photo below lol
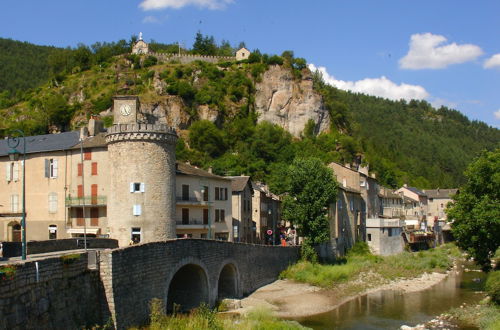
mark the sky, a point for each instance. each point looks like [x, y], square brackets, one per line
[446, 52]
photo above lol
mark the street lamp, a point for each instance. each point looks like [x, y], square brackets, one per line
[205, 190]
[13, 142]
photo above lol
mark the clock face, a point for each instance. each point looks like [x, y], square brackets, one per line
[125, 110]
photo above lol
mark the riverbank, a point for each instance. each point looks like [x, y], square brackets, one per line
[289, 299]
[361, 274]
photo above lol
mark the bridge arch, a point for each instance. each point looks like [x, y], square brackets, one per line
[228, 284]
[188, 285]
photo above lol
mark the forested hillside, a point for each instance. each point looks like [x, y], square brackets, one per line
[404, 142]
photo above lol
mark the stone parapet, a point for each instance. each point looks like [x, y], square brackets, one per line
[153, 132]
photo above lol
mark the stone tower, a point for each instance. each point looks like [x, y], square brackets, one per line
[141, 203]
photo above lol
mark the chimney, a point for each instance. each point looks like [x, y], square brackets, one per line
[347, 165]
[405, 185]
[84, 133]
[210, 170]
[373, 175]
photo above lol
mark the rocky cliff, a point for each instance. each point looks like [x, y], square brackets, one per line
[282, 100]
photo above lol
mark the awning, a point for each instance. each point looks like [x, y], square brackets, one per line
[92, 231]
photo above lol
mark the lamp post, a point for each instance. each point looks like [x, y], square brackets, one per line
[270, 212]
[205, 189]
[13, 142]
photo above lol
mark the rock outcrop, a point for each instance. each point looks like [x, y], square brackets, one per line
[282, 100]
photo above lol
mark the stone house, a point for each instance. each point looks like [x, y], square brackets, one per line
[438, 200]
[392, 205]
[242, 193]
[266, 213]
[242, 54]
[203, 199]
[384, 236]
[347, 220]
[48, 161]
[418, 206]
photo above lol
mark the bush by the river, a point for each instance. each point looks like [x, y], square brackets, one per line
[206, 318]
[359, 260]
[493, 286]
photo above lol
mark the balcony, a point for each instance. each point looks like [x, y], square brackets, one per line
[87, 200]
[192, 224]
[191, 201]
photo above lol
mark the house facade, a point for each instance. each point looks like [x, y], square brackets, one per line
[203, 201]
[384, 236]
[242, 193]
[438, 200]
[266, 213]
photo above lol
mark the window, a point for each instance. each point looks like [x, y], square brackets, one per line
[93, 194]
[80, 169]
[52, 231]
[87, 155]
[53, 202]
[204, 191]
[389, 232]
[12, 171]
[14, 203]
[217, 193]
[205, 216]
[51, 168]
[185, 216]
[137, 187]
[220, 194]
[369, 237]
[185, 192]
[94, 217]
[219, 215]
[80, 191]
[79, 217]
[94, 168]
[135, 235]
[137, 209]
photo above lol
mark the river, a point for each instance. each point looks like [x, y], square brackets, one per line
[391, 309]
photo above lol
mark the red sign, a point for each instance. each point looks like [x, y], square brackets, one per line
[269, 232]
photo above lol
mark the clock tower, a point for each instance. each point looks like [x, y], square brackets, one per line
[125, 109]
[141, 203]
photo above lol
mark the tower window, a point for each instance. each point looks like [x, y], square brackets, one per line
[136, 187]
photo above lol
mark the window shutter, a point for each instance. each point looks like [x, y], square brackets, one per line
[222, 215]
[80, 169]
[8, 176]
[142, 187]
[54, 169]
[15, 171]
[47, 168]
[216, 215]
[131, 187]
[94, 168]
[137, 209]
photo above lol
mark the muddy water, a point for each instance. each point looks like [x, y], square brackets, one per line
[391, 309]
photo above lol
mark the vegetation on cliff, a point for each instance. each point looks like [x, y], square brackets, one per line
[404, 142]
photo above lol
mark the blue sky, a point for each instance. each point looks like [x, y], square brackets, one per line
[447, 52]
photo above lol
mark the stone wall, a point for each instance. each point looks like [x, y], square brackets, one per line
[13, 249]
[188, 58]
[51, 293]
[71, 292]
[133, 276]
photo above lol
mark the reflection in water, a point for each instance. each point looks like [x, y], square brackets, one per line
[391, 309]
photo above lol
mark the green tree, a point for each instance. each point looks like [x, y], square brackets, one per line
[204, 136]
[476, 209]
[311, 190]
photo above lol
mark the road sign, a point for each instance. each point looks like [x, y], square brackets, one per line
[269, 232]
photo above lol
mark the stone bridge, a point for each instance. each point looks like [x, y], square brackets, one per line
[185, 272]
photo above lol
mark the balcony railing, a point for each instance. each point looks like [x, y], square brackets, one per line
[190, 201]
[87, 200]
[192, 222]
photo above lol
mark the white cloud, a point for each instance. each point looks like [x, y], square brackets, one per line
[151, 20]
[497, 114]
[177, 4]
[381, 87]
[438, 102]
[427, 52]
[492, 62]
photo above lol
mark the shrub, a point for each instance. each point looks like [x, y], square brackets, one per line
[493, 286]
[307, 252]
